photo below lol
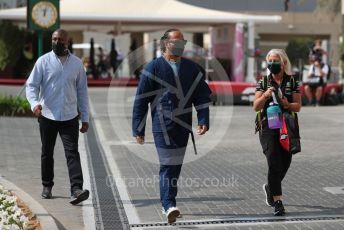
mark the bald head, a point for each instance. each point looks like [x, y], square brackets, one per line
[61, 31]
[60, 35]
[60, 39]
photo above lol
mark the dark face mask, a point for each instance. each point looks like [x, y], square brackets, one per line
[178, 48]
[58, 48]
[274, 67]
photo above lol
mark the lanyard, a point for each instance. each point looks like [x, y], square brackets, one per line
[280, 95]
[193, 142]
[274, 98]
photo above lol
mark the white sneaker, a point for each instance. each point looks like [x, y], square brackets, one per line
[172, 213]
[164, 212]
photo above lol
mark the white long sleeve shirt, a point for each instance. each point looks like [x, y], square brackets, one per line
[61, 88]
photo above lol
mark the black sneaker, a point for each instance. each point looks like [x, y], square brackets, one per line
[46, 193]
[79, 196]
[269, 200]
[279, 208]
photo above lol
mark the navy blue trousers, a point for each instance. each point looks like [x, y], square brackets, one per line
[171, 148]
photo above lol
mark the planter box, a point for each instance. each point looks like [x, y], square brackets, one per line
[27, 113]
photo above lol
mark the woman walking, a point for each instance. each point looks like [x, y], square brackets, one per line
[280, 89]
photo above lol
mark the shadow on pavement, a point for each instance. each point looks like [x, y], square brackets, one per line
[147, 202]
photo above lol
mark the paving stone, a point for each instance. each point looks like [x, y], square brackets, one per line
[239, 167]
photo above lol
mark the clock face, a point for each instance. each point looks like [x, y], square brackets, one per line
[44, 14]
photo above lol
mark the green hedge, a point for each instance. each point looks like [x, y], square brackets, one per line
[12, 39]
[14, 106]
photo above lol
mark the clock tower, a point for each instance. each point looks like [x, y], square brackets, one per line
[43, 15]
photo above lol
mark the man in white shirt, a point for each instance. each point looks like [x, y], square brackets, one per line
[57, 92]
[317, 78]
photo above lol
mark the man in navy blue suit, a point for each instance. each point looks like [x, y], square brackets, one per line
[171, 84]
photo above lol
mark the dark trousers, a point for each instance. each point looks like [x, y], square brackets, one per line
[171, 156]
[69, 133]
[168, 179]
[278, 160]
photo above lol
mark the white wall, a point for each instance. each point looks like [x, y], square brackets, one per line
[123, 44]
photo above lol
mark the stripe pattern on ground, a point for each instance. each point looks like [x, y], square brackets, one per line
[109, 212]
[240, 221]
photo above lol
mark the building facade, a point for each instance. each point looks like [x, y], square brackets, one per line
[299, 20]
[7, 4]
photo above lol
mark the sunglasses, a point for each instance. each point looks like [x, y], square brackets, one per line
[178, 42]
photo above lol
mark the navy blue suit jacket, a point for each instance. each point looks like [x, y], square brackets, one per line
[170, 97]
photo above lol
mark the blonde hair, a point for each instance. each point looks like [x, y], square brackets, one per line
[283, 57]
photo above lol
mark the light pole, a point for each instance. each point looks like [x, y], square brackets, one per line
[250, 59]
[342, 12]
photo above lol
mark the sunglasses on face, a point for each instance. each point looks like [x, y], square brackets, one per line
[178, 42]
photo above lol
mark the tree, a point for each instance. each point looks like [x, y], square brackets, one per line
[286, 5]
[298, 49]
[332, 7]
[11, 44]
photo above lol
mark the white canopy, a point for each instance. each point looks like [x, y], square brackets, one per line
[139, 11]
[144, 16]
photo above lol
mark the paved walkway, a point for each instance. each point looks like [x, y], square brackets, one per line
[20, 164]
[220, 188]
[225, 183]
